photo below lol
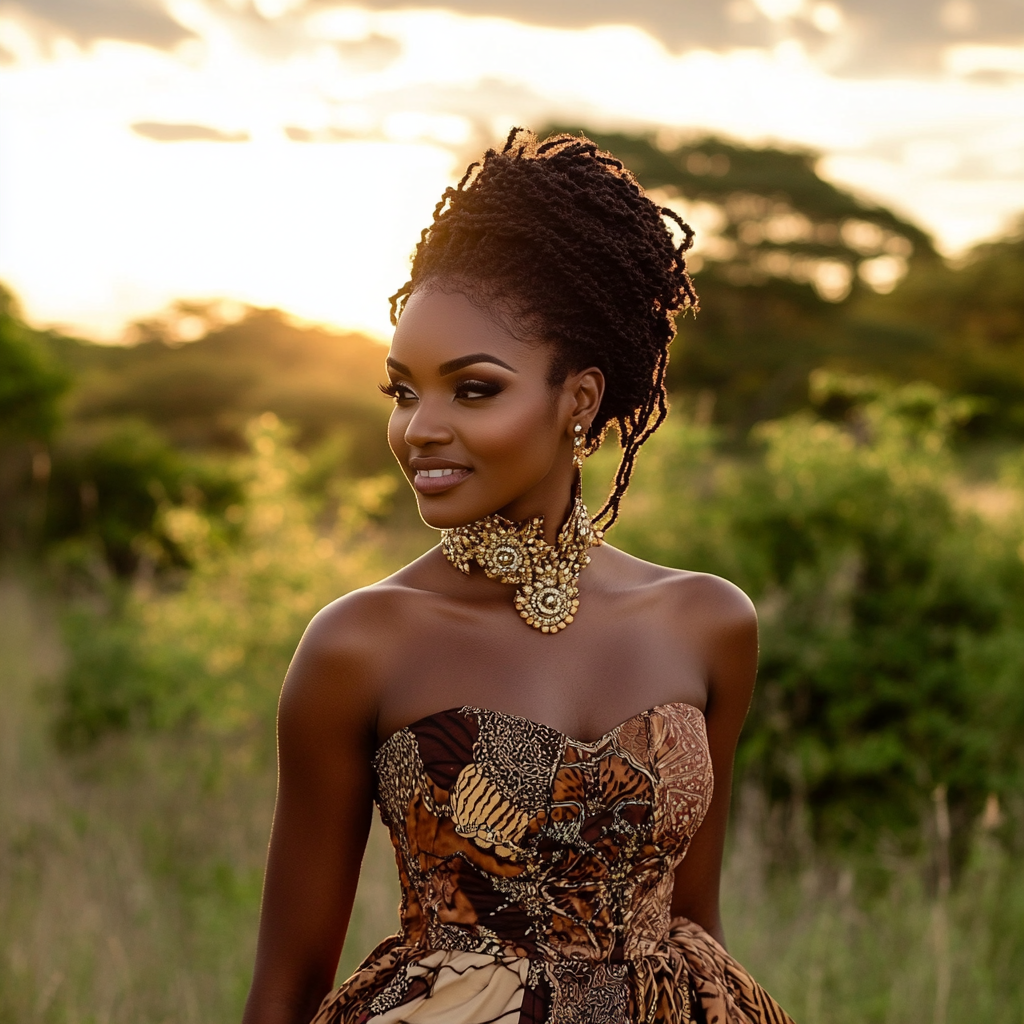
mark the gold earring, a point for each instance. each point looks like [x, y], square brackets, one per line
[577, 447]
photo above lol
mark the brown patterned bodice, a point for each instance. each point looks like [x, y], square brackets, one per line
[537, 875]
[515, 840]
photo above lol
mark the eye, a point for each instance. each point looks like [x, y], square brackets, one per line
[399, 392]
[474, 389]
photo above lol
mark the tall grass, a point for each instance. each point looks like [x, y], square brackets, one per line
[874, 941]
[130, 874]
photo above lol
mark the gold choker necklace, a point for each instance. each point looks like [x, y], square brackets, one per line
[517, 553]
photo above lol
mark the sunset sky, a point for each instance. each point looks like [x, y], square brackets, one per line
[287, 152]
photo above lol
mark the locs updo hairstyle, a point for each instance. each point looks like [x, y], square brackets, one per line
[560, 238]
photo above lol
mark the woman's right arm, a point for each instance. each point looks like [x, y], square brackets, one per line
[326, 737]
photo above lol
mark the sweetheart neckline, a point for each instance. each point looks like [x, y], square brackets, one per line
[530, 721]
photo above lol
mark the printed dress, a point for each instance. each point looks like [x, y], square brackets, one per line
[537, 873]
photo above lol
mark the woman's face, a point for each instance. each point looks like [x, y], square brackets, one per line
[477, 428]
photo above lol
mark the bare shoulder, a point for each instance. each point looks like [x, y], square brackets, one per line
[720, 600]
[684, 592]
[353, 626]
[342, 659]
[350, 627]
[720, 622]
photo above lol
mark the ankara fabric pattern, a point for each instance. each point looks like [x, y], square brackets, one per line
[537, 874]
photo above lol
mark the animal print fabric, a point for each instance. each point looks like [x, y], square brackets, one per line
[536, 874]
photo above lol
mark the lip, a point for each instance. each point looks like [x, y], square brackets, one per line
[417, 463]
[439, 484]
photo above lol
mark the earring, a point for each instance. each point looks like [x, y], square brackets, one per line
[577, 447]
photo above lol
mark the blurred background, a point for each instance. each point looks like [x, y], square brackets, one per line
[204, 205]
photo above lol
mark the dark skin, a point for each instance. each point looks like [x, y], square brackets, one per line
[430, 638]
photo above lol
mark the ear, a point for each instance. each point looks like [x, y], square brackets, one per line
[586, 389]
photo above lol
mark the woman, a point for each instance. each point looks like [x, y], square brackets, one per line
[540, 716]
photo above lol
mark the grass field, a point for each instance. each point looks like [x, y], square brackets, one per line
[130, 880]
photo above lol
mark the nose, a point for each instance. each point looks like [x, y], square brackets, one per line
[428, 425]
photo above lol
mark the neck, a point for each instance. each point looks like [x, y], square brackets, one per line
[553, 505]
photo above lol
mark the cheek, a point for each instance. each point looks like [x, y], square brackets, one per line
[396, 435]
[521, 434]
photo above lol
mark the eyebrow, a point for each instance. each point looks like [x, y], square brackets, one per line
[394, 364]
[455, 364]
[477, 357]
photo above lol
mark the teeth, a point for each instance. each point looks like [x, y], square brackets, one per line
[434, 472]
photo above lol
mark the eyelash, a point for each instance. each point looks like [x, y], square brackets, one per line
[482, 389]
[392, 390]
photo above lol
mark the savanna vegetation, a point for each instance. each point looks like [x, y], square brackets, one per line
[846, 443]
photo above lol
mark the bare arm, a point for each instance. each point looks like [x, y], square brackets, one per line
[730, 626]
[321, 820]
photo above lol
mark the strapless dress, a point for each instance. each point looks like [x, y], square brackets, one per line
[537, 873]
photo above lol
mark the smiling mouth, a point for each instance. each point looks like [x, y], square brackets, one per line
[437, 481]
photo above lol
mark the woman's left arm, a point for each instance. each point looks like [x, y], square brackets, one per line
[726, 624]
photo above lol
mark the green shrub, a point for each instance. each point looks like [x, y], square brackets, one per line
[215, 650]
[109, 482]
[892, 613]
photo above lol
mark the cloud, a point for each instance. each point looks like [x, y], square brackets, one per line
[135, 21]
[856, 37]
[328, 134]
[373, 53]
[681, 24]
[846, 37]
[162, 132]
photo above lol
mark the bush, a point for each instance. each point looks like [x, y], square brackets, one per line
[214, 652]
[31, 386]
[892, 613]
[109, 483]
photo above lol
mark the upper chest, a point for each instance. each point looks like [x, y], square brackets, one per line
[622, 652]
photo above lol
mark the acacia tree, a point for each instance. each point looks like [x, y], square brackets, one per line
[783, 260]
[965, 323]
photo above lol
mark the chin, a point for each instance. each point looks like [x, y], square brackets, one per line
[446, 511]
[438, 517]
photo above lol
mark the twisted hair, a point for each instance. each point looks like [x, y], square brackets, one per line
[561, 235]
